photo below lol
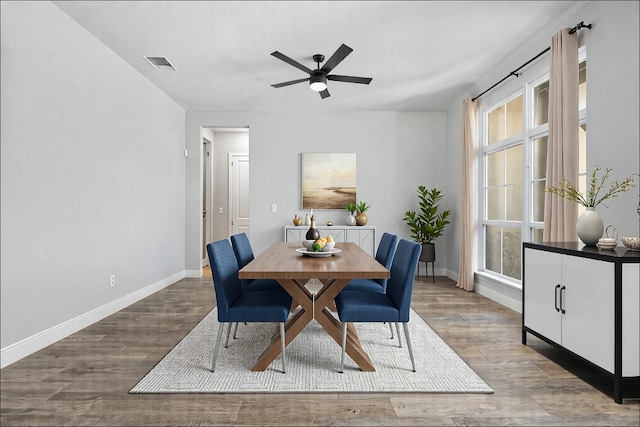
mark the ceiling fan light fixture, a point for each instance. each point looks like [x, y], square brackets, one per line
[318, 82]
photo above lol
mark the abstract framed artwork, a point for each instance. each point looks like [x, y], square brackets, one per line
[328, 180]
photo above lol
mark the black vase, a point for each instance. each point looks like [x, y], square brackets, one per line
[313, 233]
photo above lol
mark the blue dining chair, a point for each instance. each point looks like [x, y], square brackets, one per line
[235, 305]
[384, 255]
[244, 255]
[392, 306]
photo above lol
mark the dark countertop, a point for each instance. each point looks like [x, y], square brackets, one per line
[619, 254]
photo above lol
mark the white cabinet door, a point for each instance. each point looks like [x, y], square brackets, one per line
[294, 235]
[365, 238]
[542, 274]
[588, 323]
[338, 234]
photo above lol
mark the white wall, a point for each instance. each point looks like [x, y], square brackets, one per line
[395, 153]
[612, 105]
[93, 180]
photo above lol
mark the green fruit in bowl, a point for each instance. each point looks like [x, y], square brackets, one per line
[316, 246]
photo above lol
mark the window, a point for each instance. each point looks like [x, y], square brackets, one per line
[503, 192]
[514, 152]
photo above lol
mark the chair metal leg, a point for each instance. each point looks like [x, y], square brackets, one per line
[235, 330]
[406, 334]
[226, 344]
[399, 337]
[284, 358]
[344, 345]
[391, 329]
[215, 350]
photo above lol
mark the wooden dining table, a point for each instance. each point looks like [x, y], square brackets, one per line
[293, 270]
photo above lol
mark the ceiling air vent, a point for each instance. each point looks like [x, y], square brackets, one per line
[160, 62]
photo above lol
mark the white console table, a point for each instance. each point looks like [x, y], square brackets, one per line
[586, 301]
[364, 236]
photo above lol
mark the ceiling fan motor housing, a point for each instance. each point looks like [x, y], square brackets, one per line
[318, 81]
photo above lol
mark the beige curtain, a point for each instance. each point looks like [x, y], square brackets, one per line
[467, 218]
[560, 215]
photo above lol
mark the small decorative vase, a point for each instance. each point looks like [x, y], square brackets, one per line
[313, 233]
[351, 220]
[361, 219]
[590, 227]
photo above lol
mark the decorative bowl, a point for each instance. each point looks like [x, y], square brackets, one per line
[607, 241]
[607, 246]
[328, 247]
[631, 243]
[307, 244]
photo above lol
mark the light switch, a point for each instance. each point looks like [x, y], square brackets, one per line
[274, 208]
[220, 210]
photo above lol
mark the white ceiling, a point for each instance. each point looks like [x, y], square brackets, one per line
[420, 54]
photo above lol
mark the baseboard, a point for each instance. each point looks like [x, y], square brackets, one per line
[424, 272]
[30, 345]
[502, 293]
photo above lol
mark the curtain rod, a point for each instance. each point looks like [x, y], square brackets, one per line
[515, 72]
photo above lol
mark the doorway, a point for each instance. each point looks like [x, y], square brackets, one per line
[225, 189]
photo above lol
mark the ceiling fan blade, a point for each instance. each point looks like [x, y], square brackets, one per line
[292, 82]
[290, 61]
[350, 79]
[336, 58]
[325, 94]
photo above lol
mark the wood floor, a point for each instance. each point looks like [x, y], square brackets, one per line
[84, 380]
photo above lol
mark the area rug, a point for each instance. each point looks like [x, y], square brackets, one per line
[313, 362]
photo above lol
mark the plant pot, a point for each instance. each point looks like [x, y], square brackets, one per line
[428, 253]
[361, 219]
[351, 220]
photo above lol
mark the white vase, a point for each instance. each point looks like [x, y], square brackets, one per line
[590, 227]
[351, 220]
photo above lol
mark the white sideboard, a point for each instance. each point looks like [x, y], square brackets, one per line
[586, 301]
[362, 235]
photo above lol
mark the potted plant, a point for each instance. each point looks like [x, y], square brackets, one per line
[351, 219]
[590, 225]
[361, 217]
[428, 224]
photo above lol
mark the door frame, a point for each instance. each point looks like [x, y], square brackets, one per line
[207, 195]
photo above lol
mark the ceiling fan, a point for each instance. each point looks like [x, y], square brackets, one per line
[318, 78]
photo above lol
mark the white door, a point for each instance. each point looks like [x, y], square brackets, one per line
[239, 193]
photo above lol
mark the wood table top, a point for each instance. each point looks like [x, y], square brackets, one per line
[281, 261]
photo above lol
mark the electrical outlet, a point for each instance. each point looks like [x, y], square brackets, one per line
[274, 208]
[112, 280]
